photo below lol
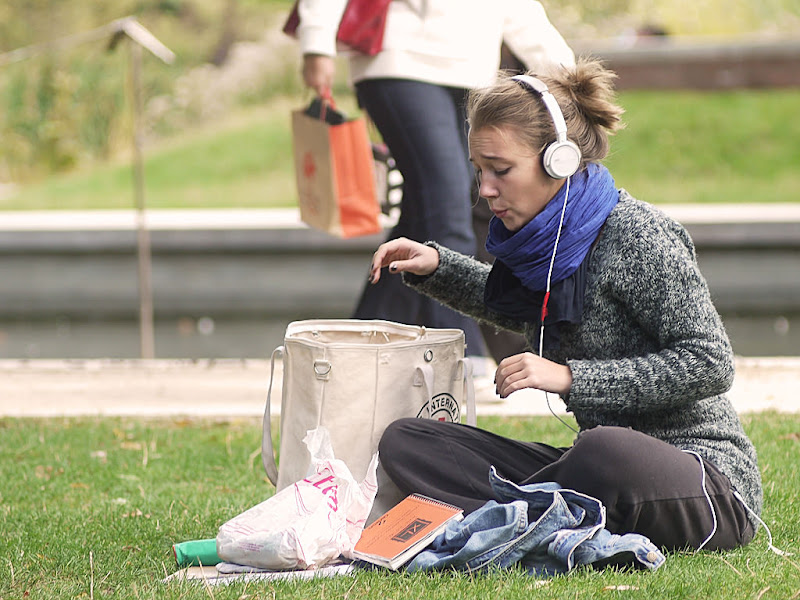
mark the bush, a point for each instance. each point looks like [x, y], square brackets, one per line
[70, 106]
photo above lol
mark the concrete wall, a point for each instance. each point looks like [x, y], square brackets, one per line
[705, 64]
[227, 289]
[74, 291]
[751, 268]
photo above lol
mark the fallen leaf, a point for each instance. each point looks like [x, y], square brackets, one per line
[47, 471]
[100, 455]
[619, 588]
[136, 513]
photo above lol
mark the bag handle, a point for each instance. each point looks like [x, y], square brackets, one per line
[267, 453]
[426, 381]
[327, 99]
[469, 391]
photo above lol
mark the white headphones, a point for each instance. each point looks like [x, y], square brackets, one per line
[562, 158]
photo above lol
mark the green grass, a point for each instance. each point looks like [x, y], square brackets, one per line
[246, 163]
[678, 146]
[89, 508]
[684, 146]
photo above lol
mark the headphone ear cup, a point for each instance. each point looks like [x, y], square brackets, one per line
[561, 159]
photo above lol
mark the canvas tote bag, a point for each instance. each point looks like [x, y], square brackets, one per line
[334, 171]
[354, 377]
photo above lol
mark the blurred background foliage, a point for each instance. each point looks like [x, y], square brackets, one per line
[66, 109]
[68, 106]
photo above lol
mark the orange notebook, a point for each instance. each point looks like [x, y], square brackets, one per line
[403, 532]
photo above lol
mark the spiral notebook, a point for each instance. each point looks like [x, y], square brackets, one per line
[404, 531]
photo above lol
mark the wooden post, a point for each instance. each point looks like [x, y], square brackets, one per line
[139, 37]
[144, 259]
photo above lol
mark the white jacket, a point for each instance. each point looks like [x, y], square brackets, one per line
[446, 42]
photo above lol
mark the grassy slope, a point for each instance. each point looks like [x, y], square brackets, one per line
[677, 147]
[245, 162]
[709, 147]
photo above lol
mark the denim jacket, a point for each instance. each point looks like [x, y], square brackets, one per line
[542, 527]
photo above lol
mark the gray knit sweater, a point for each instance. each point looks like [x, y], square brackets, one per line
[651, 352]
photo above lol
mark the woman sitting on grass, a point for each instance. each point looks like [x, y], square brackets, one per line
[608, 293]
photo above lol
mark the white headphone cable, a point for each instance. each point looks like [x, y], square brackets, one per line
[547, 298]
[776, 550]
[708, 498]
[738, 496]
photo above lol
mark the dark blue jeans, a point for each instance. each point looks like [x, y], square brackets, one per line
[424, 126]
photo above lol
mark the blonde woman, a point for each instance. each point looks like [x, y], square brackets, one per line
[607, 291]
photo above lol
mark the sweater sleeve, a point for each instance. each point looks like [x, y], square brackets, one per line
[532, 37]
[654, 282]
[319, 23]
[459, 282]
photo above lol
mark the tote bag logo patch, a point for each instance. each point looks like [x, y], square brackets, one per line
[442, 407]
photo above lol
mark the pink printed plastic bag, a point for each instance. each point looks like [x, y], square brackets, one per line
[307, 524]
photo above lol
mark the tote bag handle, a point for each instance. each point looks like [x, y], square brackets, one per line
[426, 380]
[267, 452]
[469, 391]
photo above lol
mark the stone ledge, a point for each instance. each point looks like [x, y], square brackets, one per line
[280, 230]
[712, 63]
[238, 388]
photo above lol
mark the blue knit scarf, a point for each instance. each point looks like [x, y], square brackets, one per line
[517, 283]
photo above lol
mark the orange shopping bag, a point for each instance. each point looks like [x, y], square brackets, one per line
[334, 170]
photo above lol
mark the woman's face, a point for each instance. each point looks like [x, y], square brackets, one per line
[510, 176]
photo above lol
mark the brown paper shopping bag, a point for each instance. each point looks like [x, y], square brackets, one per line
[334, 171]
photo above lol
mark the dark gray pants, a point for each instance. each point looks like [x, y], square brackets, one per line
[647, 486]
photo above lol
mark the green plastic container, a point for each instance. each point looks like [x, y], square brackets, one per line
[196, 553]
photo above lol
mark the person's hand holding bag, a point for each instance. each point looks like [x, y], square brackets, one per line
[318, 73]
[404, 255]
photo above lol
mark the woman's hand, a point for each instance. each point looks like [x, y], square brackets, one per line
[403, 255]
[318, 73]
[527, 370]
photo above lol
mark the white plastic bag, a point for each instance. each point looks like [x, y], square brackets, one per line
[307, 524]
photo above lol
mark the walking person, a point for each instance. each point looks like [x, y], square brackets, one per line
[608, 292]
[414, 90]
